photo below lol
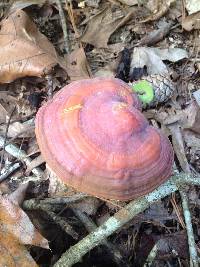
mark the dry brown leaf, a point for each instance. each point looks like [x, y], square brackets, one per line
[192, 117]
[156, 35]
[101, 26]
[20, 4]
[24, 51]
[77, 65]
[191, 22]
[14, 254]
[16, 231]
[191, 140]
[3, 114]
[163, 7]
[188, 118]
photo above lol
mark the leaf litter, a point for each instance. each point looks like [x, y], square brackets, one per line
[98, 33]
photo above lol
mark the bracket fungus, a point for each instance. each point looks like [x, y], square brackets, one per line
[93, 135]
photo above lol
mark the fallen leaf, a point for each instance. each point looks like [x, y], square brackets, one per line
[192, 118]
[14, 254]
[191, 22]
[156, 35]
[157, 212]
[18, 129]
[143, 56]
[176, 242]
[16, 231]
[153, 58]
[24, 51]
[20, 4]
[192, 6]
[163, 7]
[196, 95]
[101, 26]
[168, 245]
[191, 140]
[77, 65]
[171, 54]
[3, 114]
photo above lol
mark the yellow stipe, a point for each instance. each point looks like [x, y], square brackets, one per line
[72, 108]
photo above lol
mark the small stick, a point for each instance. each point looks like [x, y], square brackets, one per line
[76, 252]
[63, 224]
[190, 233]
[21, 155]
[7, 171]
[49, 86]
[6, 133]
[35, 203]
[64, 26]
[151, 256]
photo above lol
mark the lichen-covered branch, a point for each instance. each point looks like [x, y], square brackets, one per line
[76, 252]
[190, 234]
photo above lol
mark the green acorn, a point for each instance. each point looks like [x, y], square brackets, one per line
[154, 89]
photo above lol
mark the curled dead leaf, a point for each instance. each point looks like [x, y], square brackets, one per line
[163, 7]
[17, 230]
[24, 51]
[153, 58]
[77, 65]
[101, 26]
[191, 22]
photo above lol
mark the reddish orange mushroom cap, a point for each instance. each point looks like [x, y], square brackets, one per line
[94, 137]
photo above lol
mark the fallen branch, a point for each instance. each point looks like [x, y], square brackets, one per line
[190, 234]
[76, 252]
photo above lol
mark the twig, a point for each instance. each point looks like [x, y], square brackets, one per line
[76, 252]
[177, 211]
[151, 256]
[64, 25]
[63, 224]
[190, 234]
[34, 203]
[21, 155]
[7, 171]
[49, 86]
[91, 226]
[68, 5]
[6, 133]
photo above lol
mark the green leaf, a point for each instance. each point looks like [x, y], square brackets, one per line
[144, 91]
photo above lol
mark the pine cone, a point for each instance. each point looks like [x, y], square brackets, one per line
[163, 88]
